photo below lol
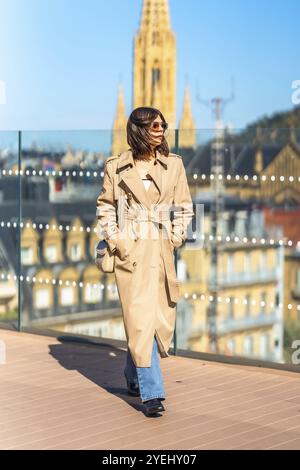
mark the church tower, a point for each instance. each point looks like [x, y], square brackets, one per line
[154, 70]
[119, 138]
[187, 126]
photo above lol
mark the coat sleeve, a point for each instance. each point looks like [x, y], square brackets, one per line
[182, 208]
[106, 211]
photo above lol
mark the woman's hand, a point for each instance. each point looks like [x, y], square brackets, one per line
[121, 249]
[175, 241]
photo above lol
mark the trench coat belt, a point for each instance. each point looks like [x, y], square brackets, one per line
[146, 215]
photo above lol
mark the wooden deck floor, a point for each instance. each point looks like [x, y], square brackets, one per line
[58, 395]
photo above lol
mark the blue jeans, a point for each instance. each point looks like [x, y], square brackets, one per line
[149, 379]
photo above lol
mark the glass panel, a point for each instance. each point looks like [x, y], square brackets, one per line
[9, 228]
[240, 291]
[62, 289]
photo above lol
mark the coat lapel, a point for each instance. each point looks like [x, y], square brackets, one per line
[162, 174]
[131, 177]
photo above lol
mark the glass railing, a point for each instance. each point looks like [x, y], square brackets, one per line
[239, 274]
[10, 207]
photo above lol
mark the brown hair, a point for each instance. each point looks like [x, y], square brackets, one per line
[137, 131]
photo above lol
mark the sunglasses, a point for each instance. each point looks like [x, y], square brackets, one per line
[155, 125]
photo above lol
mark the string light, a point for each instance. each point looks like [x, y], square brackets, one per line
[203, 238]
[54, 282]
[195, 175]
[81, 173]
[193, 296]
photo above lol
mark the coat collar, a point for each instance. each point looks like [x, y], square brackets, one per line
[130, 176]
[127, 157]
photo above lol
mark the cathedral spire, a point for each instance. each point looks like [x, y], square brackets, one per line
[119, 140]
[121, 113]
[155, 61]
[187, 126]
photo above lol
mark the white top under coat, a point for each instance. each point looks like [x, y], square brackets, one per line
[143, 167]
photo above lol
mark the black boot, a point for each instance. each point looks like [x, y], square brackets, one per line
[153, 406]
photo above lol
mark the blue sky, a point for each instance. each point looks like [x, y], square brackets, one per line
[61, 60]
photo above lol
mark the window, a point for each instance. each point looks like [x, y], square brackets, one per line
[27, 255]
[67, 296]
[51, 253]
[75, 252]
[248, 346]
[225, 223]
[112, 292]
[42, 298]
[247, 262]
[155, 76]
[230, 308]
[231, 225]
[264, 345]
[240, 223]
[263, 302]
[263, 260]
[93, 293]
[247, 305]
[231, 344]
[230, 264]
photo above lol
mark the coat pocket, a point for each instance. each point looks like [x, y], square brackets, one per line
[129, 263]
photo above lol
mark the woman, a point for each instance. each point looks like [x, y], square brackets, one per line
[154, 186]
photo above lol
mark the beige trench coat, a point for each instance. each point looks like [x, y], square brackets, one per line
[144, 266]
